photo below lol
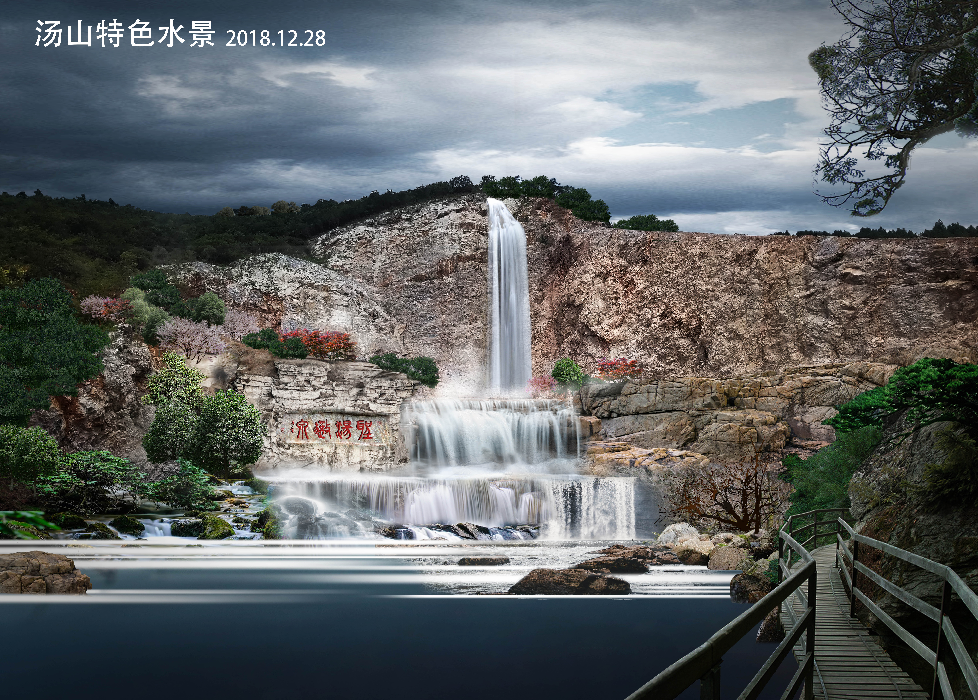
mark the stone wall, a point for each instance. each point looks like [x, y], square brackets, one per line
[344, 416]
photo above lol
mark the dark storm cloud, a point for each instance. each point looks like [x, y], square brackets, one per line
[404, 93]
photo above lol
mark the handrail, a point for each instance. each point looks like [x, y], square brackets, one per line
[703, 663]
[947, 635]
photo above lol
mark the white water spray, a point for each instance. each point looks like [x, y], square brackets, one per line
[509, 299]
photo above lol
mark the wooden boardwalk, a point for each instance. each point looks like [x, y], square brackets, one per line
[849, 664]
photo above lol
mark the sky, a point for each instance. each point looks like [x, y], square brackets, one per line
[703, 111]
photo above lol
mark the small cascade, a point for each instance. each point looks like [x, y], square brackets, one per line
[501, 431]
[509, 301]
[563, 506]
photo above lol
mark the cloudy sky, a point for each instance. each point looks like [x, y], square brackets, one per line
[704, 111]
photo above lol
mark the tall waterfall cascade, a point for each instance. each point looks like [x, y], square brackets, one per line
[509, 301]
[505, 467]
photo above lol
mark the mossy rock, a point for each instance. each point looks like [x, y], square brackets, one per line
[238, 519]
[101, 531]
[267, 524]
[127, 525]
[68, 521]
[215, 528]
[187, 528]
[225, 494]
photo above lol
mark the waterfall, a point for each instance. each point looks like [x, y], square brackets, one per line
[509, 298]
[564, 506]
[450, 433]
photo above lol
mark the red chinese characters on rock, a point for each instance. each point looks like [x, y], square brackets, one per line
[321, 429]
[364, 427]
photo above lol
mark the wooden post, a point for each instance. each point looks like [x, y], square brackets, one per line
[710, 684]
[935, 689]
[810, 635]
[852, 593]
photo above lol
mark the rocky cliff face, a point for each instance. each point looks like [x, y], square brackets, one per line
[888, 501]
[684, 304]
[106, 414]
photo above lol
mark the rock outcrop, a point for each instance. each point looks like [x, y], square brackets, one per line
[890, 500]
[106, 414]
[41, 572]
[725, 417]
[569, 582]
[342, 414]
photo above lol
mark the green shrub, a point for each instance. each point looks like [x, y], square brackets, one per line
[566, 372]
[28, 454]
[189, 489]
[291, 347]
[822, 480]
[930, 390]
[92, 482]
[159, 291]
[421, 369]
[174, 382]
[208, 307]
[646, 222]
[171, 432]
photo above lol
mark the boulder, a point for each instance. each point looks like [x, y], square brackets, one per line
[728, 559]
[396, 532]
[68, 521]
[483, 561]
[192, 527]
[214, 528]
[569, 582]
[475, 532]
[691, 557]
[296, 505]
[676, 532]
[728, 539]
[615, 565]
[747, 588]
[101, 531]
[41, 572]
[771, 629]
[127, 525]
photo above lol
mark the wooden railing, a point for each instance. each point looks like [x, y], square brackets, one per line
[947, 635]
[703, 663]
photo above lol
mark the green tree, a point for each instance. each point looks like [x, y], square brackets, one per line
[904, 73]
[227, 436]
[146, 316]
[207, 307]
[28, 454]
[171, 432]
[44, 350]
[646, 222]
[283, 207]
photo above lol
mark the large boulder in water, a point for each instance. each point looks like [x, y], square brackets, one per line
[483, 561]
[674, 533]
[214, 528]
[41, 572]
[296, 505]
[569, 582]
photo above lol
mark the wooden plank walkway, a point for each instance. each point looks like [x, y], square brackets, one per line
[849, 664]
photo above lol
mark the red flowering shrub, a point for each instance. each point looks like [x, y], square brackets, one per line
[325, 345]
[541, 386]
[619, 370]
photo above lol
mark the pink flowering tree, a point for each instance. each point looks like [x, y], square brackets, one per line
[238, 324]
[106, 308]
[193, 338]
